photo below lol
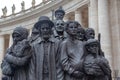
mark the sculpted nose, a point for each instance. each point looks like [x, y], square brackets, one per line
[45, 29]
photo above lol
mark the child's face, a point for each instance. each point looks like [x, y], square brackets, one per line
[93, 48]
[72, 29]
[90, 34]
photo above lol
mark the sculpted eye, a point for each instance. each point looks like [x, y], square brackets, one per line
[42, 28]
[62, 24]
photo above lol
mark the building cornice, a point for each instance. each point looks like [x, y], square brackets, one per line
[28, 19]
[26, 16]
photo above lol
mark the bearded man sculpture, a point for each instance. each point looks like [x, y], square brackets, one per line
[45, 60]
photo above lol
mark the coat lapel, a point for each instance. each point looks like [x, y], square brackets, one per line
[40, 56]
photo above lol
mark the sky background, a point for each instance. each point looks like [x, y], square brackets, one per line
[9, 3]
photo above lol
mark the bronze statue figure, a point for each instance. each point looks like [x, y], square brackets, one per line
[14, 64]
[59, 13]
[71, 50]
[89, 33]
[59, 31]
[45, 60]
[95, 65]
[81, 34]
[55, 51]
[34, 36]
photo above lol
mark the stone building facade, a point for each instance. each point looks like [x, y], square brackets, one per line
[102, 15]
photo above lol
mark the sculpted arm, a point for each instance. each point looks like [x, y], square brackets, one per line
[105, 66]
[65, 59]
[32, 66]
[20, 61]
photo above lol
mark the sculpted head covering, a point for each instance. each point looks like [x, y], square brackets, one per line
[60, 10]
[88, 43]
[91, 41]
[43, 19]
[21, 31]
[35, 31]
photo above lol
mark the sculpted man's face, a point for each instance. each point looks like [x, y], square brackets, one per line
[45, 30]
[59, 26]
[93, 48]
[90, 34]
[59, 15]
[72, 29]
[35, 32]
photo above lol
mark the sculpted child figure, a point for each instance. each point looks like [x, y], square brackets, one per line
[89, 33]
[95, 64]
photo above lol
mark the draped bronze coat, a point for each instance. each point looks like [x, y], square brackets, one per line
[71, 54]
[36, 65]
[19, 59]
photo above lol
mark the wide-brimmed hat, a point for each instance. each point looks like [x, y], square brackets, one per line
[60, 10]
[43, 19]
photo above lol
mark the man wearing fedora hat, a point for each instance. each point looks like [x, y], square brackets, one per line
[45, 60]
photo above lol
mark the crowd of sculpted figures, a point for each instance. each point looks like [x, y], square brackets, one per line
[56, 50]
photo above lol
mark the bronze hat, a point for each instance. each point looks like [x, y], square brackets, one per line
[43, 19]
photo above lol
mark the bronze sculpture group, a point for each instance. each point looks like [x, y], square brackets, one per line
[50, 54]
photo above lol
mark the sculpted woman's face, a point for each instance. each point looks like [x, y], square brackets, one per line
[72, 29]
[17, 37]
[19, 34]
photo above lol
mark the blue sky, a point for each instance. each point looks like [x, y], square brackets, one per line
[9, 3]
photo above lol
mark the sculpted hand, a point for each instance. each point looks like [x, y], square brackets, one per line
[77, 74]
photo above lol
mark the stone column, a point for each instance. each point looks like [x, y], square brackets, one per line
[93, 16]
[10, 40]
[1, 51]
[1, 47]
[114, 21]
[104, 28]
[30, 32]
[78, 16]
